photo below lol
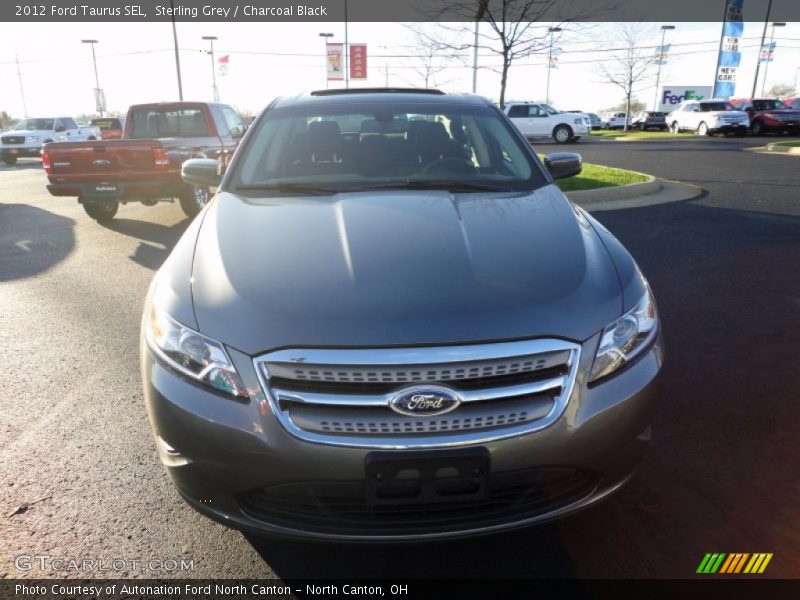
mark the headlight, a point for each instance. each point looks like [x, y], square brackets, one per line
[191, 353]
[626, 337]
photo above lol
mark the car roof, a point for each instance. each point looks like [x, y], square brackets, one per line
[379, 95]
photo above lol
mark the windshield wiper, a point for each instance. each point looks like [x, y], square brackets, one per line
[423, 184]
[298, 188]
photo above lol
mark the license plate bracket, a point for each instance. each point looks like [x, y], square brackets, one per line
[426, 476]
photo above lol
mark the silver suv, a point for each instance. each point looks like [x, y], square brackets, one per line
[390, 324]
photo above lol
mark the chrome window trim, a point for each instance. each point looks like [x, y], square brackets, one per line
[425, 355]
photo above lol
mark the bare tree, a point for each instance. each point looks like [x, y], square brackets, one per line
[430, 55]
[632, 63]
[781, 90]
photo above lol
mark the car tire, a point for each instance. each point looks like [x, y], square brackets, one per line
[674, 128]
[10, 160]
[756, 128]
[562, 134]
[702, 129]
[193, 199]
[100, 210]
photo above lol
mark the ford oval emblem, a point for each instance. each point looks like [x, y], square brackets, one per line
[424, 401]
[101, 162]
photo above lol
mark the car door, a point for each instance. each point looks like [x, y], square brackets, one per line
[539, 121]
[691, 116]
[72, 130]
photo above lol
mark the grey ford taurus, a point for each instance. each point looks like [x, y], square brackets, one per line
[390, 324]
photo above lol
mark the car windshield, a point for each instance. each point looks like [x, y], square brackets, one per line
[34, 124]
[107, 123]
[550, 110]
[711, 106]
[331, 148]
[767, 105]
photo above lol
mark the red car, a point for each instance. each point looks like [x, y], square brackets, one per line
[110, 127]
[769, 115]
[792, 102]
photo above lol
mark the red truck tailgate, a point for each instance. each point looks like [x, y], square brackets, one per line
[106, 160]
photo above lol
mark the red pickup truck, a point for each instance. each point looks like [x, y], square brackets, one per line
[145, 165]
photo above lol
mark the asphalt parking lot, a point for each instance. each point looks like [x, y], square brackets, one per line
[723, 473]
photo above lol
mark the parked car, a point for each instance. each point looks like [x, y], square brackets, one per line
[594, 120]
[707, 117]
[145, 166]
[28, 136]
[649, 119]
[111, 128]
[769, 115]
[401, 330]
[613, 120]
[537, 120]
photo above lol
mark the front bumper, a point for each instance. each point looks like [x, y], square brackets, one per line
[228, 450]
[21, 151]
[728, 127]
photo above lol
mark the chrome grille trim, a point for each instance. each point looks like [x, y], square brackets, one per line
[447, 363]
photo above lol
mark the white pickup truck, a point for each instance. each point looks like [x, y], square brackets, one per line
[28, 136]
[542, 120]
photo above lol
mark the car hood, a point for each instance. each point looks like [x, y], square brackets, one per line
[399, 268]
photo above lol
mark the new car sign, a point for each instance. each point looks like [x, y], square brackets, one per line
[672, 95]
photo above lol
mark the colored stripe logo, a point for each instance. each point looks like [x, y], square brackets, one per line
[734, 563]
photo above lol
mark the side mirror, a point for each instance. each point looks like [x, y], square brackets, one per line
[563, 164]
[201, 171]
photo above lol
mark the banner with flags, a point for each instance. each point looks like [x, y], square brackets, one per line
[767, 52]
[223, 63]
[552, 60]
[661, 54]
[335, 62]
[729, 54]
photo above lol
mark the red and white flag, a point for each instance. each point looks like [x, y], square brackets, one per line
[223, 62]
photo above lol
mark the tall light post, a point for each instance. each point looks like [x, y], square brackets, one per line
[763, 35]
[325, 37]
[346, 50]
[664, 29]
[177, 53]
[97, 93]
[552, 30]
[766, 66]
[215, 91]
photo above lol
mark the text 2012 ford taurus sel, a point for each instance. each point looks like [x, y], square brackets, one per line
[390, 324]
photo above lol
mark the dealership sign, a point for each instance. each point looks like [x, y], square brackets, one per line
[672, 95]
[358, 61]
[729, 53]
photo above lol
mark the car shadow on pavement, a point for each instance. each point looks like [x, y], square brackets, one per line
[157, 240]
[721, 471]
[25, 165]
[32, 240]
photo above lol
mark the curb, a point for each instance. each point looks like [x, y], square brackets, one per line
[649, 193]
[781, 149]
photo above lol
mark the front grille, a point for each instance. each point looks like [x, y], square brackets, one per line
[340, 507]
[343, 397]
[13, 139]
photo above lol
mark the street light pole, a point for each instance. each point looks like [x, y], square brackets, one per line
[475, 60]
[758, 62]
[96, 78]
[177, 55]
[664, 29]
[214, 89]
[346, 50]
[766, 66]
[325, 37]
[552, 30]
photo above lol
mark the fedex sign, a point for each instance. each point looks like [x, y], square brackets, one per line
[672, 95]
